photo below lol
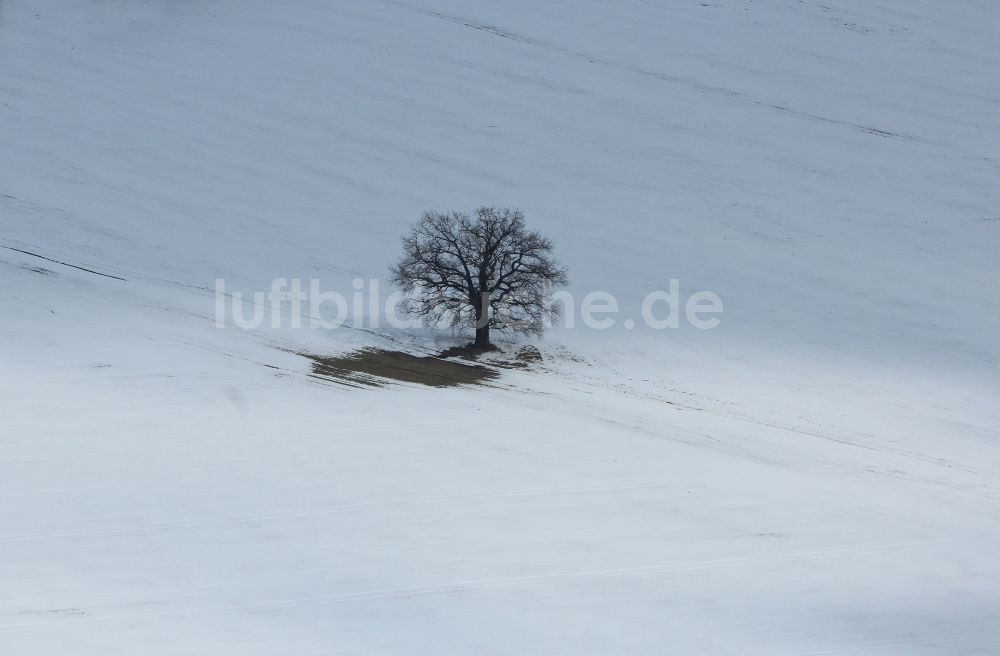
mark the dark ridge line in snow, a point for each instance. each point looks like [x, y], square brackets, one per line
[665, 77]
[72, 266]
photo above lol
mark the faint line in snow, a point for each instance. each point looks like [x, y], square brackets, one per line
[72, 266]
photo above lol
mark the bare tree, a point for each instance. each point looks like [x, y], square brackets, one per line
[486, 270]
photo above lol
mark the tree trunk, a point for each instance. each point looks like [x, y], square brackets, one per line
[482, 337]
[482, 305]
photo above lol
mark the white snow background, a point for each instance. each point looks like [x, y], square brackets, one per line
[818, 475]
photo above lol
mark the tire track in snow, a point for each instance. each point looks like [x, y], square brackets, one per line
[644, 72]
[66, 264]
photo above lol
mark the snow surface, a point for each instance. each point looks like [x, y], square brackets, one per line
[818, 475]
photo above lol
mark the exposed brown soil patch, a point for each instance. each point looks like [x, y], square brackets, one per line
[378, 367]
[468, 352]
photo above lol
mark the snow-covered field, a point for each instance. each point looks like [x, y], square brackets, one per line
[818, 475]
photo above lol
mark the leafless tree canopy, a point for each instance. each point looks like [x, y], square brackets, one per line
[485, 270]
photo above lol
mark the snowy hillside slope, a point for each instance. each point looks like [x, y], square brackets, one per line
[819, 474]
